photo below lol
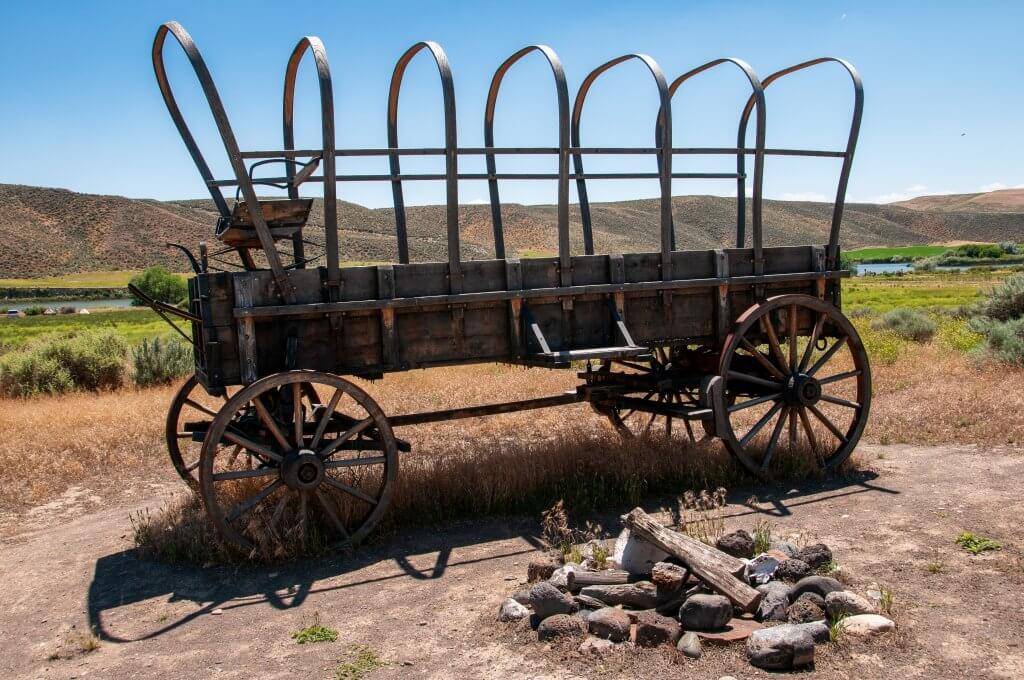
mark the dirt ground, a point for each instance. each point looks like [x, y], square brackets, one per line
[426, 602]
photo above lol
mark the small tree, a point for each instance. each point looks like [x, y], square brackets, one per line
[161, 285]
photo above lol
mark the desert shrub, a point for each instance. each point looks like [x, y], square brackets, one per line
[1004, 340]
[34, 310]
[161, 285]
[1005, 301]
[89, 360]
[67, 309]
[160, 360]
[907, 323]
[1009, 247]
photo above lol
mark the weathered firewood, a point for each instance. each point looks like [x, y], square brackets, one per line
[712, 566]
[611, 577]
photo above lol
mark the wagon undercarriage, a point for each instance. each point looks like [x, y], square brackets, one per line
[744, 344]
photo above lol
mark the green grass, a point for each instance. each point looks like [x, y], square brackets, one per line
[362, 662]
[910, 252]
[117, 279]
[315, 632]
[133, 324]
[976, 544]
[930, 290]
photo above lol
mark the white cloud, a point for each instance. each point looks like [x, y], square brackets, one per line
[477, 201]
[843, 17]
[805, 196]
[907, 194]
[998, 186]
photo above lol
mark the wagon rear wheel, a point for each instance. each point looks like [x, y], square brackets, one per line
[799, 377]
[298, 462]
[188, 417]
[632, 421]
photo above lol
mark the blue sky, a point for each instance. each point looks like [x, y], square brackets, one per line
[943, 85]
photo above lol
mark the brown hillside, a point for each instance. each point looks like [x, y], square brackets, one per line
[55, 231]
[1002, 201]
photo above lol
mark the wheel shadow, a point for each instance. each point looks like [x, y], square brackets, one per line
[123, 578]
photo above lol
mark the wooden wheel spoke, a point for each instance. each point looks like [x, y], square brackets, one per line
[760, 424]
[792, 338]
[192, 466]
[303, 518]
[762, 359]
[345, 436]
[352, 491]
[183, 435]
[233, 456]
[841, 402]
[754, 402]
[824, 358]
[773, 340]
[753, 379]
[774, 440]
[250, 445]
[269, 422]
[811, 437]
[199, 407]
[325, 419]
[254, 500]
[355, 462]
[809, 350]
[297, 419]
[243, 474]
[331, 514]
[279, 510]
[827, 423]
[839, 376]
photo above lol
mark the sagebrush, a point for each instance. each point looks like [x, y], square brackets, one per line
[160, 361]
[90, 360]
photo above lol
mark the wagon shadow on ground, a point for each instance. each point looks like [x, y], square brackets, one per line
[122, 578]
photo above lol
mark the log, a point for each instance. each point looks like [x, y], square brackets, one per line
[612, 577]
[712, 566]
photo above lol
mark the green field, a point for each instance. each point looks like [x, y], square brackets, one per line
[884, 254]
[133, 324]
[81, 280]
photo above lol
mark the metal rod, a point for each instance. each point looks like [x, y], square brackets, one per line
[540, 151]
[485, 410]
[499, 175]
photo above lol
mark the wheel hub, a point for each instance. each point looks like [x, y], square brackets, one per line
[803, 390]
[302, 470]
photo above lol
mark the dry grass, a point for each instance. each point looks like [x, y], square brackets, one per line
[520, 462]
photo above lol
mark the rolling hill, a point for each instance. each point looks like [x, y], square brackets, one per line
[48, 232]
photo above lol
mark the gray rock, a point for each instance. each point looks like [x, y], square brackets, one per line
[542, 567]
[596, 646]
[609, 623]
[774, 603]
[667, 576]
[561, 625]
[866, 625]
[639, 595]
[813, 597]
[804, 610]
[548, 600]
[822, 585]
[560, 577]
[653, 629]
[780, 648]
[705, 612]
[738, 544]
[817, 555]
[844, 603]
[786, 547]
[588, 602]
[818, 630]
[793, 570]
[522, 597]
[689, 645]
[511, 610]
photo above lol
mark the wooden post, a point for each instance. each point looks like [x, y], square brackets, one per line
[712, 566]
[610, 577]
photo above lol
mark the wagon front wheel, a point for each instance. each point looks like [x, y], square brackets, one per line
[188, 417]
[298, 463]
[797, 376]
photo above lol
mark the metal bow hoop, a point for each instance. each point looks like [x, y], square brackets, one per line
[230, 145]
[664, 157]
[314, 45]
[757, 97]
[562, 93]
[851, 142]
[450, 158]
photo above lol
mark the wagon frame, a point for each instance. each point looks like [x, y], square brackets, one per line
[689, 336]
